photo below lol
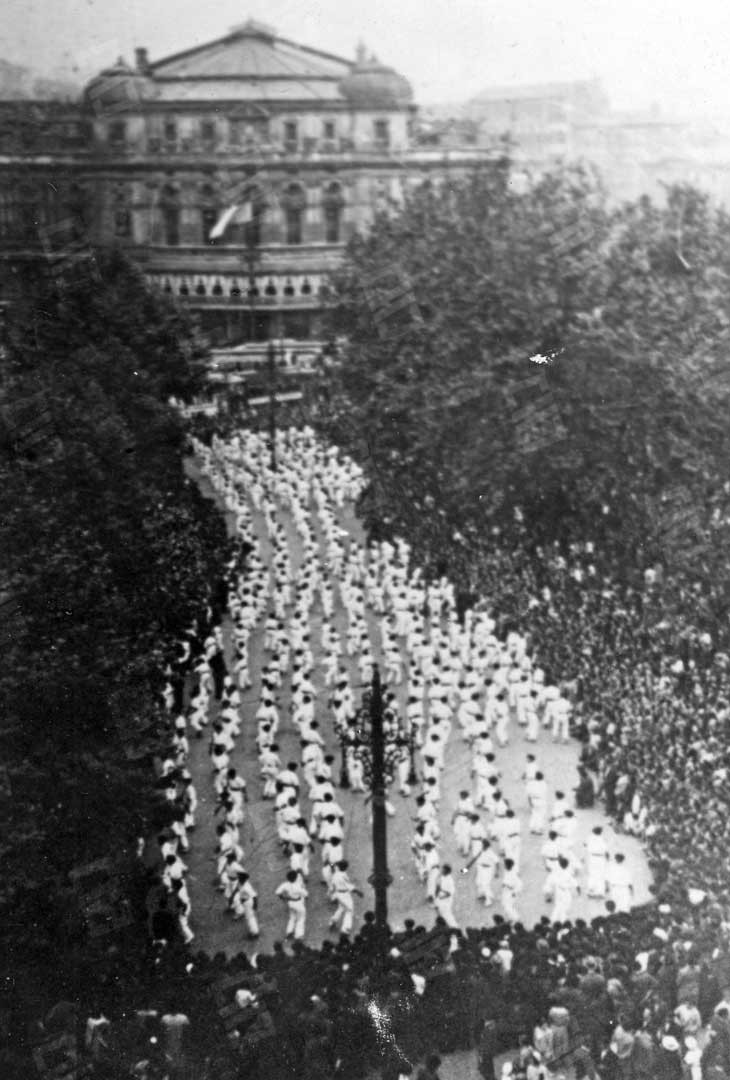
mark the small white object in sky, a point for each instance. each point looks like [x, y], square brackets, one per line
[538, 358]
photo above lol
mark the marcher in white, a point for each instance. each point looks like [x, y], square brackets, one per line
[243, 903]
[537, 796]
[445, 892]
[294, 892]
[270, 765]
[597, 863]
[550, 851]
[620, 885]
[461, 821]
[431, 867]
[561, 710]
[511, 889]
[483, 769]
[532, 721]
[355, 770]
[566, 828]
[487, 864]
[561, 886]
[501, 711]
[342, 889]
[232, 867]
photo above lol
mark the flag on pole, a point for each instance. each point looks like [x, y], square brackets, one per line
[239, 214]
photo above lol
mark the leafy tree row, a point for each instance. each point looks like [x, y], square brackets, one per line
[540, 355]
[108, 552]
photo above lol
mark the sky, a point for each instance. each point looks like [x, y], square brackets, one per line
[668, 53]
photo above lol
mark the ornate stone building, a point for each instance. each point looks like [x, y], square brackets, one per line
[313, 143]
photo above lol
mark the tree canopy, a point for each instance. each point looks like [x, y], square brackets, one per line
[537, 352]
[108, 552]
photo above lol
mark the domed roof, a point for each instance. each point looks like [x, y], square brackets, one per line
[117, 88]
[372, 85]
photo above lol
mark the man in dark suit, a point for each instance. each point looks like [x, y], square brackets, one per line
[488, 1049]
[430, 1071]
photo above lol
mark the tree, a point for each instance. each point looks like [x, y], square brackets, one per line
[538, 354]
[109, 551]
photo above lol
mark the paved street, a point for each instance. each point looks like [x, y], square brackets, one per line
[214, 927]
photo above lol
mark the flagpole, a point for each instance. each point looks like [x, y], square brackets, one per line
[233, 214]
[272, 401]
[251, 258]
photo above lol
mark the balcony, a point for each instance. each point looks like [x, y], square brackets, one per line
[341, 150]
[261, 302]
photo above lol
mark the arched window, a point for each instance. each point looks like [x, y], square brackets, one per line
[117, 133]
[122, 217]
[28, 214]
[77, 206]
[7, 213]
[294, 202]
[251, 231]
[381, 132]
[208, 211]
[333, 203]
[170, 207]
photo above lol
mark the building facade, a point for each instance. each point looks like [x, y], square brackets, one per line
[540, 119]
[635, 152]
[310, 143]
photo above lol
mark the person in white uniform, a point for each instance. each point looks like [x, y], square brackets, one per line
[243, 903]
[620, 885]
[560, 714]
[294, 893]
[487, 864]
[537, 796]
[445, 893]
[461, 821]
[511, 889]
[561, 885]
[342, 891]
[597, 863]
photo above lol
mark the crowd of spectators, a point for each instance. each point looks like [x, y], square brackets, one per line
[638, 994]
[628, 995]
[651, 695]
[631, 995]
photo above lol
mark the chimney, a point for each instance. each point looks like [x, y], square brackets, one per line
[142, 61]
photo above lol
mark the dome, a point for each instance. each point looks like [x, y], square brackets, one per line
[372, 85]
[117, 88]
[252, 28]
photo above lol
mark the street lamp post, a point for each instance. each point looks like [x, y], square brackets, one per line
[378, 747]
[411, 737]
[252, 256]
[271, 357]
[346, 741]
